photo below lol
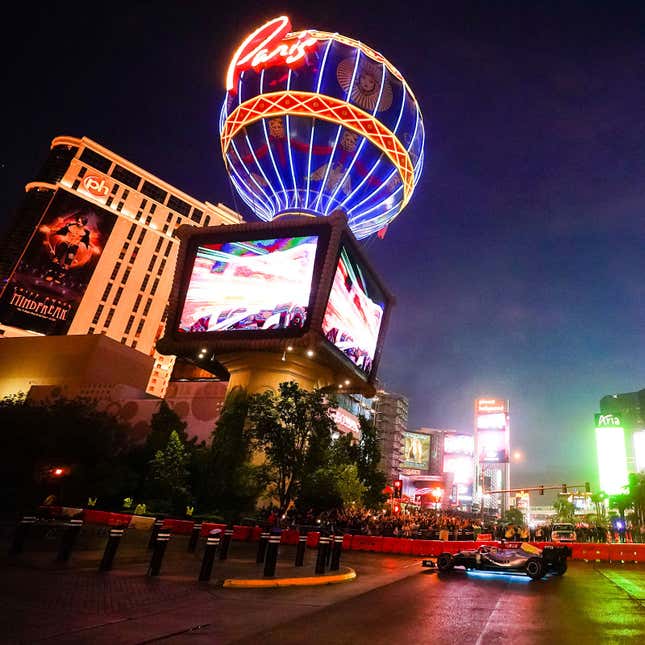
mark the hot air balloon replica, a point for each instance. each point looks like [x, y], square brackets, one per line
[323, 140]
[315, 122]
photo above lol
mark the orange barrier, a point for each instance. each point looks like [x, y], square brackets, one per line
[289, 536]
[627, 553]
[313, 537]
[256, 531]
[241, 533]
[347, 542]
[91, 516]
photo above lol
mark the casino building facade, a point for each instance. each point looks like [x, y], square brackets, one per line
[92, 251]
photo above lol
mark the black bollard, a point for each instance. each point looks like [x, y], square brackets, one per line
[20, 534]
[323, 545]
[262, 547]
[163, 537]
[330, 546]
[212, 542]
[194, 537]
[226, 542]
[337, 549]
[72, 529]
[114, 539]
[272, 556]
[156, 527]
[300, 550]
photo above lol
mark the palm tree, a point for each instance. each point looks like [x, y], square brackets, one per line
[598, 500]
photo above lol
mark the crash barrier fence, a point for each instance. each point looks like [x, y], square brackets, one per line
[103, 521]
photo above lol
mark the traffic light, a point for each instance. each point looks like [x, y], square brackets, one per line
[541, 490]
[587, 487]
[396, 508]
[398, 487]
[564, 489]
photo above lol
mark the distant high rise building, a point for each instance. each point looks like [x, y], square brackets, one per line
[92, 251]
[391, 422]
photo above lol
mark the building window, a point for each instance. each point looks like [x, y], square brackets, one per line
[114, 190]
[119, 207]
[82, 171]
[123, 250]
[133, 228]
[162, 266]
[159, 243]
[148, 220]
[178, 205]
[97, 314]
[128, 327]
[95, 160]
[141, 236]
[153, 259]
[109, 201]
[76, 184]
[126, 176]
[144, 283]
[117, 266]
[109, 317]
[154, 192]
[168, 247]
[153, 208]
[155, 284]
[134, 344]
[126, 275]
[197, 215]
[165, 228]
[146, 309]
[144, 203]
[117, 297]
[135, 252]
[137, 302]
[106, 292]
[139, 328]
[90, 330]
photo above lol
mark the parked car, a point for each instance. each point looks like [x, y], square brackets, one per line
[522, 558]
[563, 532]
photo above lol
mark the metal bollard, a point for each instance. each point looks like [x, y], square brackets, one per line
[163, 537]
[300, 550]
[337, 549]
[73, 528]
[330, 546]
[323, 545]
[226, 542]
[262, 547]
[212, 542]
[272, 556]
[194, 537]
[20, 534]
[156, 527]
[114, 539]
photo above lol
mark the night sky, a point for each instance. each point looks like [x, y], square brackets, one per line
[517, 266]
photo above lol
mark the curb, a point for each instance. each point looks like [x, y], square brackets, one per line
[310, 581]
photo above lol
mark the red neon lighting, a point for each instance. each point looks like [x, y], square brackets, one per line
[266, 46]
[58, 471]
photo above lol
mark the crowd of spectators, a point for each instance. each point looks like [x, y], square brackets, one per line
[443, 525]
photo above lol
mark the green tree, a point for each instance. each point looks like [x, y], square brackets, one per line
[92, 446]
[167, 483]
[233, 482]
[622, 502]
[563, 509]
[514, 516]
[292, 427]
[369, 458]
[598, 500]
[162, 423]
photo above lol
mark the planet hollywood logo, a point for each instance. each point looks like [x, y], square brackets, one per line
[266, 46]
[96, 185]
[491, 405]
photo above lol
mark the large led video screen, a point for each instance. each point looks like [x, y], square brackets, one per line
[492, 446]
[461, 466]
[458, 444]
[44, 291]
[416, 450]
[251, 285]
[612, 459]
[354, 312]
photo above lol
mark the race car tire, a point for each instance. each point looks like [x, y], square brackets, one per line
[445, 562]
[560, 569]
[535, 568]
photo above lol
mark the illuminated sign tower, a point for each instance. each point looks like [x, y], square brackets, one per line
[492, 449]
[315, 122]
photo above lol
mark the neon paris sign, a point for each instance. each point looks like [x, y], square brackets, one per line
[268, 46]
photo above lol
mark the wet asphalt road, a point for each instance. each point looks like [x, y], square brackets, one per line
[592, 603]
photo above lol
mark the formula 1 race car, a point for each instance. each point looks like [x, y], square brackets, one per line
[522, 558]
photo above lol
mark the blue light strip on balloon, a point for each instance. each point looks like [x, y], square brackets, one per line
[268, 142]
[357, 153]
[372, 170]
[350, 89]
[365, 228]
[313, 120]
[241, 188]
[251, 177]
[293, 174]
[259, 165]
